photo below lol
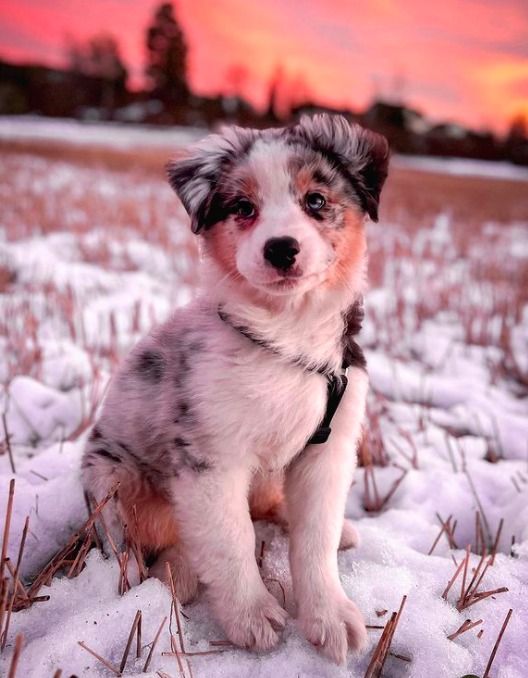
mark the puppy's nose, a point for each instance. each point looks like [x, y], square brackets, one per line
[281, 252]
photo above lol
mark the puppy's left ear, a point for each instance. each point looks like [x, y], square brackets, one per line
[196, 177]
[360, 154]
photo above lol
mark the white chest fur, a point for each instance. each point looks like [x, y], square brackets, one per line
[254, 403]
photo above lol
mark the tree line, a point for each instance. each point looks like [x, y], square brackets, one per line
[95, 86]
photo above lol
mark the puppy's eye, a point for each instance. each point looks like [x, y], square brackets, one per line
[315, 201]
[244, 208]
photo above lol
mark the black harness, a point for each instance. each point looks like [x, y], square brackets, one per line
[336, 382]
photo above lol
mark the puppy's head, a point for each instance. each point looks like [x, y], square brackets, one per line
[283, 210]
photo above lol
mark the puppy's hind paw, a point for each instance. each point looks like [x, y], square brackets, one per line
[349, 536]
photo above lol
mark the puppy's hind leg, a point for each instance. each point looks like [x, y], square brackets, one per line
[100, 478]
[183, 576]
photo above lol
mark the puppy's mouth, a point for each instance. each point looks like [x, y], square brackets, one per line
[289, 282]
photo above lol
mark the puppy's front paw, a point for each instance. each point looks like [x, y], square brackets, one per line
[335, 627]
[254, 624]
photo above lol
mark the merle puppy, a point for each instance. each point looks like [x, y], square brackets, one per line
[236, 406]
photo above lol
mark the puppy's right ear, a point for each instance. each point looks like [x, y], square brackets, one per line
[196, 177]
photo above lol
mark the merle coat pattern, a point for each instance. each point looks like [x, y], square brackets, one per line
[204, 424]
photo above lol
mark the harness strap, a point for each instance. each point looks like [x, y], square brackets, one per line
[336, 383]
[336, 390]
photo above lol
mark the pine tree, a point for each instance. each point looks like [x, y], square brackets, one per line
[167, 57]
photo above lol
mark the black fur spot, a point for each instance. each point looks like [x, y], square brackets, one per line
[95, 434]
[102, 452]
[353, 356]
[125, 448]
[180, 442]
[151, 366]
[183, 362]
[196, 464]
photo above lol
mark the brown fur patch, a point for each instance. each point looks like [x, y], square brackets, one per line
[221, 245]
[266, 497]
[349, 244]
[155, 527]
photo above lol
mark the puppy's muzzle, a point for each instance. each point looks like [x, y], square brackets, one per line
[281, 252]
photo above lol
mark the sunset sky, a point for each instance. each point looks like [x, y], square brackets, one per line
[464, 60]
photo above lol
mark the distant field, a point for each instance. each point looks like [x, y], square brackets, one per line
[54, 185]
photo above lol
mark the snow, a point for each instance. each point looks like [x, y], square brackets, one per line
[440, 402]
[463, 167]
[124, 136]
[113, 134]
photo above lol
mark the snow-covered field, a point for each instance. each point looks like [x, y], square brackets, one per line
[93, 252]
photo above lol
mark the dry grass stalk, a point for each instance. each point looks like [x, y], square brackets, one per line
[470, 595]
[99, 658]
[133, 544]
[479, 504]
[477, 597]
[466, 626]
[16, 576]
[198, 653]
[133, 631]
[374, 503]
[121, 557]
[496, 541]
[383, 647]
[454, 577]
[138, 638]
[20, 587]
[4, 593]
[176, 609]
[76, 541]
[7, 440]
[260, 558]
[403, 657]
[464, 576]
[497, 643]
[19, 642]
[7, 527]
[414, 450]
[153, 645]
[449, 530]
[375, 666]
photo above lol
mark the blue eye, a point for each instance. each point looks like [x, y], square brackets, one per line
[315, 201]
[244, 208]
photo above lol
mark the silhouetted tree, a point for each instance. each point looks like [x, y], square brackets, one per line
[518, 129]
[166, 67]
[516, 141]
[100, 59]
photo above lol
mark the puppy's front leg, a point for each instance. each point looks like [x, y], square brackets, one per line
[219, 536]
[316, 488]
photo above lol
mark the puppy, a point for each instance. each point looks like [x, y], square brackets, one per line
[236, 406]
